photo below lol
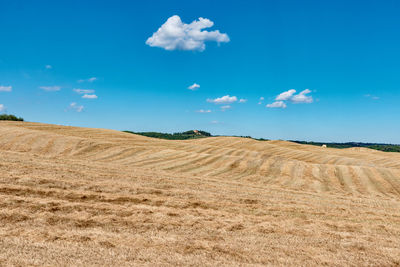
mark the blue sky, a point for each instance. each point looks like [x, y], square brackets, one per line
[346, 53]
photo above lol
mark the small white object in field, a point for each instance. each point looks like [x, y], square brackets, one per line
[324, 146]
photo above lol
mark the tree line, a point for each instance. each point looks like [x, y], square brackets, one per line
[175, 136]
[7, 117]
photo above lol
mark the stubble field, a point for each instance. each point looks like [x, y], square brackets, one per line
[81, 196]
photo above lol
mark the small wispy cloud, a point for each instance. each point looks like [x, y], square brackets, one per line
[83, 91]
[50, 88]
[277, 104]
[76, 107]
[5, 88]
[90, 80]
[242, 100]
[87, 93]
[87, 96]
[194, 87]
[215, 122]
[2, 108]
[261, 100]
[204, 111]
[227, 99]
[176, 35]
[48, 67]
[226, 107]
[373, 97]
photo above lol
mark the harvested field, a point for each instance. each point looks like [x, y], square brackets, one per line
[81, 196]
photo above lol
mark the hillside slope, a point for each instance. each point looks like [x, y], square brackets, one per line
[81, 196]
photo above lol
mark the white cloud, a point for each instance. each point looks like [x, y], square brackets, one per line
[92, 79]
[223, 100]
[194, 86]
[372, 97]
[302, 97]
[204, 111]
[176, 35]
[277, 104]
[76, 107]
[242, 100]
[48, 67]
[83, 91]
[87, 93]
[50, 88]
[2, 108]
[5, 88]
[285, 95]
[89, 96]
[261, 100]
[223, 108]
[215, 122]
[291, 96]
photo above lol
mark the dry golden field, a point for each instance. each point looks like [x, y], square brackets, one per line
[79, 196]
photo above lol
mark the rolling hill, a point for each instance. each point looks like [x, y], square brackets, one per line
[82, 196]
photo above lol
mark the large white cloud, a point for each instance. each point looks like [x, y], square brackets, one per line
[176, 35]
[277, 104]
[223, 100]
[5, 88]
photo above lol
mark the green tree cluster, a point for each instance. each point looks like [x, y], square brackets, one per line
[175, 136]
[6, 117]
[380, 147]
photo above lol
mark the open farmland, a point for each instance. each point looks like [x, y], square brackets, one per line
[81, 196]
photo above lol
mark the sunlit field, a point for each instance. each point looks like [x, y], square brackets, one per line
[81, 196]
